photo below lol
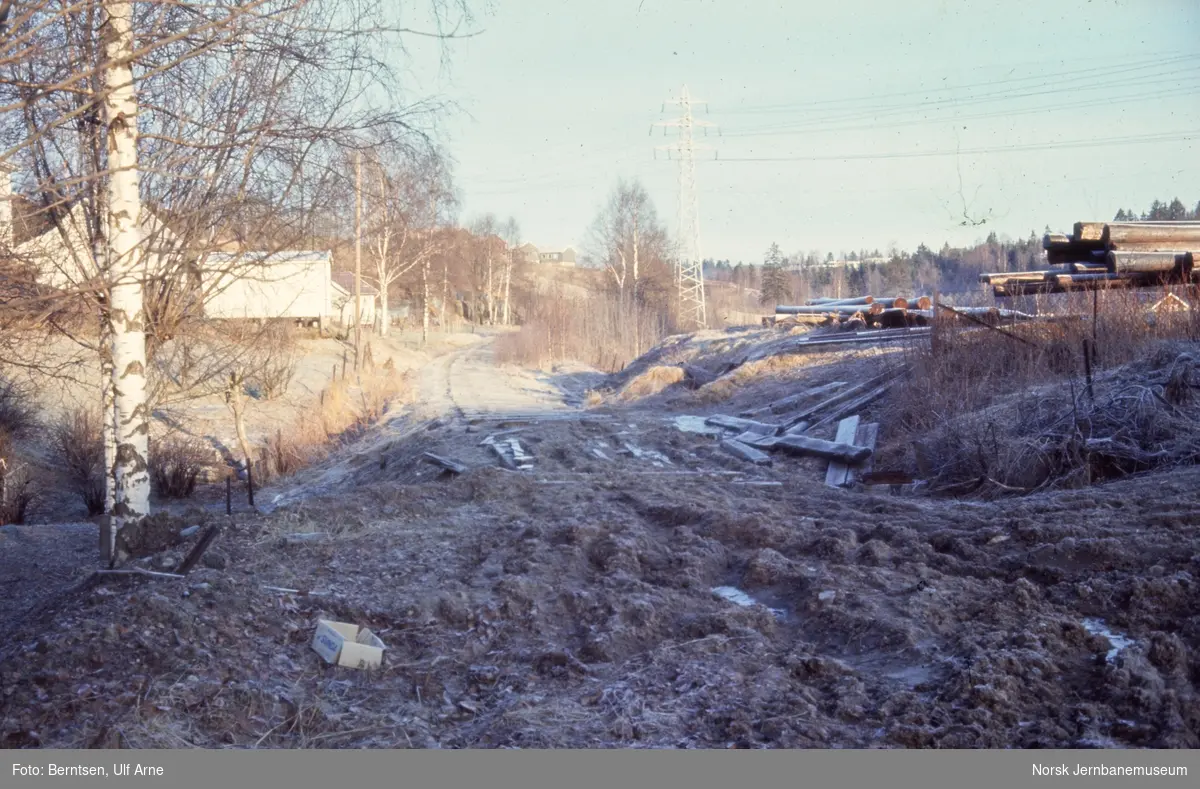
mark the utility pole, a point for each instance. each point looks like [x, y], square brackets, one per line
[689, 268]
[357, 257]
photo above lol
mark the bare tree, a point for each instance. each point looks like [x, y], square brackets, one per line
[407, 188]
[626, 237]
[155, 133]
[512, 235]
[486, 248]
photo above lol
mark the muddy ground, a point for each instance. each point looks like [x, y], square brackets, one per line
[573, 605]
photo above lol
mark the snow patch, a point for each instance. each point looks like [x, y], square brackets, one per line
[695, 424]
[1119, 642]
[738, 597]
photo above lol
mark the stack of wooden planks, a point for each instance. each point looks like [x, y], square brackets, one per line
[1100, 255]
[849, 452]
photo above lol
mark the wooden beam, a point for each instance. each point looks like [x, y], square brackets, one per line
[837, 473]
[446, 463]
[837, 399]
[816, 447]
[792, 401]
[746, 452]
[742, 425]
[866, 436]
[859, 402]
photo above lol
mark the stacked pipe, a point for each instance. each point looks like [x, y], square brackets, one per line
[854, 314]
[1100, 255]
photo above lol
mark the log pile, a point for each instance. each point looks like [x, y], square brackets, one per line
[855, 314]
[1101, 255]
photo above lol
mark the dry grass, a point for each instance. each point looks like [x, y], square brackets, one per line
[651, 382]
[983, 410]
[344, 412]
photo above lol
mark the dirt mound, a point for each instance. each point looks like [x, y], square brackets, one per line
[651, 382]
[694, 613]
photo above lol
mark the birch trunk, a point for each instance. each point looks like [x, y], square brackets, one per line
[425, 301]
[490, 291]
[108, 412]
[445, 296]
[131, 499]
[507, 291]
[384, 318]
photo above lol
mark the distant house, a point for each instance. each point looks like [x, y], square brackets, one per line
[343, 299]
[565, 257]
[264, 286]
[528, 253]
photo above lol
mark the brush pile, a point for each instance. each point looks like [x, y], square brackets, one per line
[1100, 255]
[1135, 418]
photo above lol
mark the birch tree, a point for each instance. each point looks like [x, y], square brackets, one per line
[130, 473]
[512, 235]
[208, 114]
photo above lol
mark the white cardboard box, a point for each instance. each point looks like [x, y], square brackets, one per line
[347, 645]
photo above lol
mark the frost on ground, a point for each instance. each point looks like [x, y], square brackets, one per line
[574, 605]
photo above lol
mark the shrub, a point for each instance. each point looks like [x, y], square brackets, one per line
[77, 444]
[17, 413]
[176, 465]
[16, 484]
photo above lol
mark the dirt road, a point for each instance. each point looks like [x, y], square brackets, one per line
[470, 384]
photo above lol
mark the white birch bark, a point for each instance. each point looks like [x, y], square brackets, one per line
[131, 495]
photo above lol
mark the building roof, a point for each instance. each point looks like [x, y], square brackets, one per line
[345, 281]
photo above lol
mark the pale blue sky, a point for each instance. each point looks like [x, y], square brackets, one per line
[561, 95]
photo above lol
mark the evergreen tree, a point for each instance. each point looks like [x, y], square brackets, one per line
[774, 278]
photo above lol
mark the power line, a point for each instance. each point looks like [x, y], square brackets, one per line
[1044, 79]
[1096, 143]
[877, 112]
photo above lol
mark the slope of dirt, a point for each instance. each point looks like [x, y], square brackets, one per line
[636, 587]
[582, 614]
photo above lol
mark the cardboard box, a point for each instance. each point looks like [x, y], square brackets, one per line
[344, 644]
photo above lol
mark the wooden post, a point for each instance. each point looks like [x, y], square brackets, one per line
[357, 257]
[1087, 370]
[250, 481]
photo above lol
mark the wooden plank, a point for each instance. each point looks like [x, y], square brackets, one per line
[866, 436]
[505, 460]
[742, 425]
[830, 450]
[206, 539]
[836, 474]
[745, 452]
[452, 466]
[853, 405]
[791, 401]
[837, 399]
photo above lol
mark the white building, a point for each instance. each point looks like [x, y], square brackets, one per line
[343, 300]
[263, 286]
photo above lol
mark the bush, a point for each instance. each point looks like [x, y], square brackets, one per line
[176, 465]
[17, 413]
[16, 484]
[77, 444]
